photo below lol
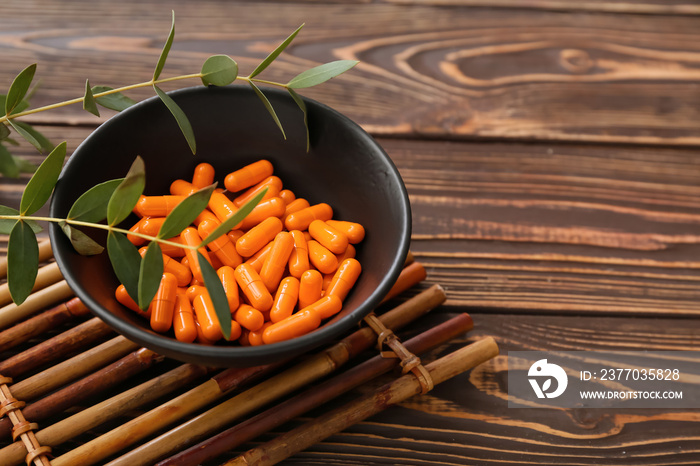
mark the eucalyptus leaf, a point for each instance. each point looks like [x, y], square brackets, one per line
[127, 193]
[321, 73]
[116, 101]
[25, 166]
[275, 53]
[4, 131]
[268, 106]
[44, 144]
[217, 295]
[28, 136]
[82, 243]
[91, 206]
[231, 222]
[150, 274]
[300, 102]
[8, 164]
[41, 184]
[6, 225]
[18, 88]
[22, 261]
[12, 141]
[185, 212]
[180, 117]
[89, 103]
[219, 70]
[166, 49]
[126, 262]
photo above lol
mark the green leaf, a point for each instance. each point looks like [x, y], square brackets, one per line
[19, 88]
[22, 261]
[219, 70]
[300, 102]
[6, 225]
[4, 131]
[89, 103]
[217, 294]
[40, 186]
[8, 164]
[234, 219]
[150, 275]
[25, 166]
[268, 106]
[165, 51]
[185, 212]
[116, 101]
[180, 117]
[275, 53]
[126, 262]
[25, 134]
[321, 73]
[91, 206]
[127, 193]
[44, 144]
[81, 242]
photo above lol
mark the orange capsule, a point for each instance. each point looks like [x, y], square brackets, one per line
[287, 196]
[285, 299]
[221, 206]
[276, 262]
[124, 299]
[248, 176]
[203, 175]
[201, 339]
[222, 247]
[325, 307]
[273, 185]
[256, 338]
[182, 273]
[184, 325]
[293, 326]
[163, 305]
[151, 225]
[171, 250]
[310, 286]
[321, 258]
[191, 238]
[182, 188]
[349, 253]
[333, 240]
[258, 236]
[327, 279]
[252, 287]
[136, 240]
[206, 214]
[206, 316]
[228, 280]
[299, 258]
[193, 291]
[353, 230]
[295, 206]
[273, 207]
[301, 219]
[233, 235]
[156, 206]
[249, 318]
[258, 259]
[344, 278]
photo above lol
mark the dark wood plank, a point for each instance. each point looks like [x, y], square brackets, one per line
[457, 72]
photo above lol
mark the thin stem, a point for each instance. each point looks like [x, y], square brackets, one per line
[262, 81]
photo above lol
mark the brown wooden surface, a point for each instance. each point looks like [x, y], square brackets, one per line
[550, 151]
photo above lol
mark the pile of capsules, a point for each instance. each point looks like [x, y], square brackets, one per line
[285, 268]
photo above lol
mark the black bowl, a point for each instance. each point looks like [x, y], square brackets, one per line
[344, 167]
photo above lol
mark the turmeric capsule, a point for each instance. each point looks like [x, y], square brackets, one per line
[184, 325]
[310, 286]
[252, 287]
[325, 307]
[299, 258]
[201, 339]
[173, 251]
[206, 214]
[151, 225]
[273, 207]
[300, 220]
[273, 185]
[156, 206]
[124, 299]
[344, 278]
[221, 206]
[258, 259]
[233, 235]
[258, 236]
[295, 206]
[203, 175]
[182, 188]
[353, 230]
[287, 196]
[276, 262]
[248, 176]
[332, 239]
[136, 228]
[228, 280]
[194, 290]
[248, 317]
[285, 299]
[349, 253]
[182, 273]
[321, 258]
[206, 316]
[244, 339]
[222, 247]
[191, 238]
[256, 338]
[293, 326]
[163, 305]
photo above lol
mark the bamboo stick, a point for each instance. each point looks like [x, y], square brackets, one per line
[106, 410]
[45, 253]
[55, 348]
[312, 369]
[315, 396]
[93, 384]
[37, 301]
[47, 275]
[390, 394]
[39, 324]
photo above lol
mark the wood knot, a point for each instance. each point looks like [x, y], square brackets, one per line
[575, 60]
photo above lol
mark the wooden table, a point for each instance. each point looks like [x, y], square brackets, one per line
[550, 151]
